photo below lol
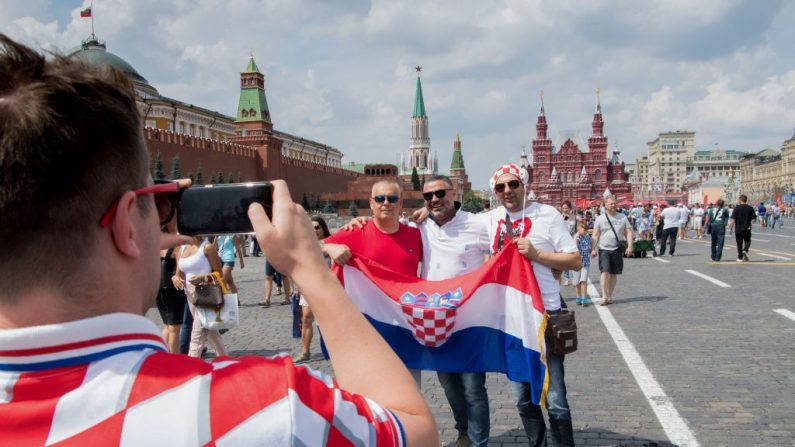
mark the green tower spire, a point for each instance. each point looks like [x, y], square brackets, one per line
[458, 158]
[252, 66]
[253, 106]
[419, 104]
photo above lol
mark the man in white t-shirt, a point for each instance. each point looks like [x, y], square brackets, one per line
[455, 242]
[670, 218]
[684, 215]
[609, 230]
[698, 218]
[542, 237]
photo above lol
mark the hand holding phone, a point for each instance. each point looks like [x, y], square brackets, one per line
[287, 237]
[221, 209]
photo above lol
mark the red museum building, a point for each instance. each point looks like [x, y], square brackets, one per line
[571, 174]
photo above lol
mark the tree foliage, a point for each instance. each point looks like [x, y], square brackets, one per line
[352, 210]
[175, 167]
[328, 208]
[415, 180]
[199, 175]
[157, 168]
[472, 203]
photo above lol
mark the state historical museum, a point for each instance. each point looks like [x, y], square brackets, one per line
[571, 174]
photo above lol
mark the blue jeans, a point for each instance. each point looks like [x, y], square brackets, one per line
[718, 233]
[466, 393]
[557, 404]
[184, 333]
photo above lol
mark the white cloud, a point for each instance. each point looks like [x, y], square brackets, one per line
[342, 72]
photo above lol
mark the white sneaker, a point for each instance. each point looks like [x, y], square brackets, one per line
[739, 259]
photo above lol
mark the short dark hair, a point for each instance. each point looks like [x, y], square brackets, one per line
[440, 177]
[567, 203]
[720, 203]
[70, 144]
[743, 198]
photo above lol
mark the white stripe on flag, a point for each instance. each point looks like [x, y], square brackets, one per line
[480, 310]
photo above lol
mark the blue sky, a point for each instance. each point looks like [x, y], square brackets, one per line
[342, 73]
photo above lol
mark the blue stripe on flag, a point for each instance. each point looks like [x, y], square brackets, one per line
[474, 349]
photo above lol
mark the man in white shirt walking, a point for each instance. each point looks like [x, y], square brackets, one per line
[607, 237]
[670, 218]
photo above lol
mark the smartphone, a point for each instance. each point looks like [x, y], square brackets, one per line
[221, 209]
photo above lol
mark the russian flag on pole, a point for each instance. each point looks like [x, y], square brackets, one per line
[488, 320]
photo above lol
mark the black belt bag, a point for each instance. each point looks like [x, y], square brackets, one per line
[561, 332]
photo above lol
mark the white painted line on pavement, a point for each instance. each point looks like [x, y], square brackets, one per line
[787, 313]
[761, 240]
[685, 241]
[783, 258]
[672, 423]
[661, 260]
[778, 235]
[708, 278]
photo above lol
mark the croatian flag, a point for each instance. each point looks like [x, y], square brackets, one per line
[488, 320]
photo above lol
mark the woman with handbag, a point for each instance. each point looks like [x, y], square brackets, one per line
[197, 262]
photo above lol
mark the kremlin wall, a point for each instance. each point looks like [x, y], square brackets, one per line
[247, 147]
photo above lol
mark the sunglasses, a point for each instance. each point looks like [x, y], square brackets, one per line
[316, 227]
[439, 193]
[167, 195]
[380, 198]
[500, 187]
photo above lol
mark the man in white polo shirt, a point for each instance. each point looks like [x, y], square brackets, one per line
[543, 238]
[670, 218]
[455, 242]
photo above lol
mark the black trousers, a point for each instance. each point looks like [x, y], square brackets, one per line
[743, 239]
[668, 233]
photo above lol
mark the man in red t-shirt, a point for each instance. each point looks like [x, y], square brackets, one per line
[383, 239]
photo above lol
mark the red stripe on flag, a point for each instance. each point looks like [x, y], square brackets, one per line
[86, 12]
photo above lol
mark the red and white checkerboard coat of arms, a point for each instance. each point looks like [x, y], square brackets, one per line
[431, 318]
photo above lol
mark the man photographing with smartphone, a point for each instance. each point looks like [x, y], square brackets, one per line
[79, 363]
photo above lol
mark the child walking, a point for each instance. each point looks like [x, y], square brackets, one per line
[580, 278]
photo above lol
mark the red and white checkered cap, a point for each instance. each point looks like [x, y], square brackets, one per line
[510, 168]
[431, 327]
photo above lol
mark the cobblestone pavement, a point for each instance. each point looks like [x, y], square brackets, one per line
[723, 357]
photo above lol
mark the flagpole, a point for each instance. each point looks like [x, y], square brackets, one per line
[92, 19]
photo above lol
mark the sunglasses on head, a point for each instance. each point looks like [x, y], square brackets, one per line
[439, 193]
[380, 198]
[167, 195]
[500, 187]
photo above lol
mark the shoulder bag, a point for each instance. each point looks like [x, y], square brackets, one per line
[622, 245]
[561, 332]
[209, 294]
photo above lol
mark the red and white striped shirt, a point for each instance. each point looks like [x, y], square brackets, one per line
[108, 380]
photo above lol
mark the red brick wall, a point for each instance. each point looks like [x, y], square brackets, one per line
[252, 161]
[214, 156]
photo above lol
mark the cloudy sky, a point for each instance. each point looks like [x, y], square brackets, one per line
[341, 72]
